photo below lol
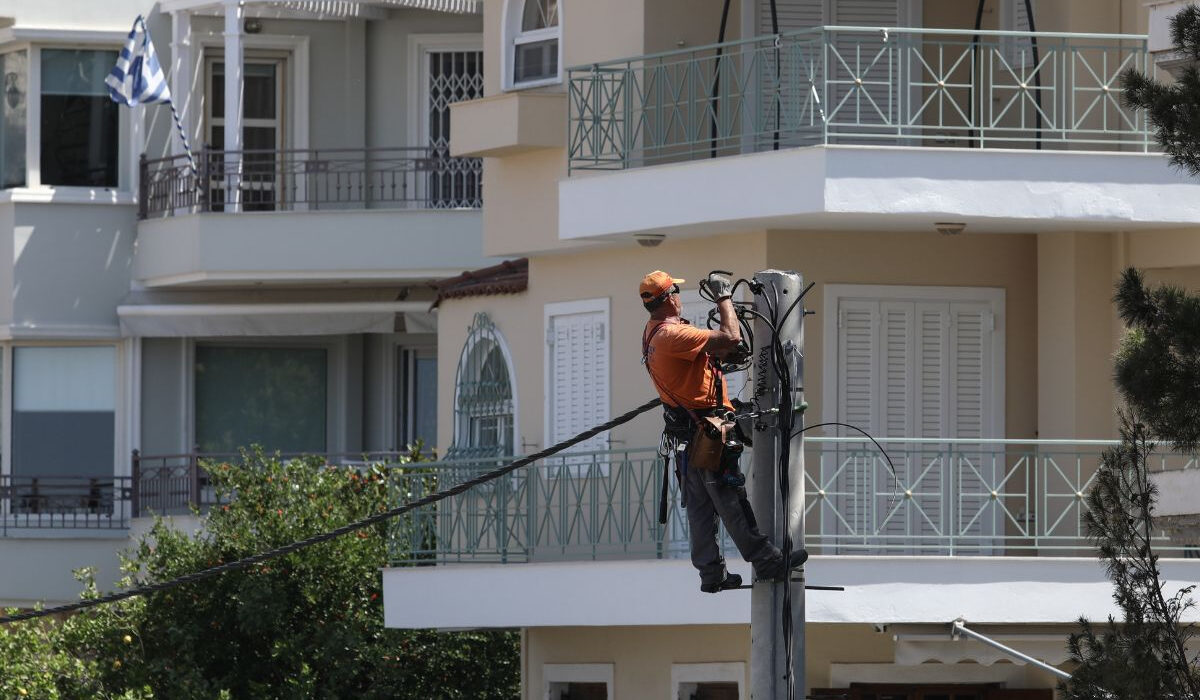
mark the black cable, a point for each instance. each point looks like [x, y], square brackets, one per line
[345, 529]
[1037, 72]
[716, 88]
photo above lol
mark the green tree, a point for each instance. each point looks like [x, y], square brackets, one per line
[1144, 657]
[305, 625]
[1173, 109]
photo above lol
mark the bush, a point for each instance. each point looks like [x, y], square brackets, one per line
[307, 624]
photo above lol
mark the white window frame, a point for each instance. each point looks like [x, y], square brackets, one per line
[279, 123]
[295, 110]
[419, 48]
[722, 672]
[126, 376]
[577, 673]
[600, 304]
[127, 162]
[468, 347]
[834, 293]
[511, 35]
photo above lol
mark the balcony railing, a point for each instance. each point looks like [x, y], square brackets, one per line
[948, 497]
[64, 502]
[309, 180]
[858, 85]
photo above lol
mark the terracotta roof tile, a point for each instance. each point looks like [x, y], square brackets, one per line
[509, 277]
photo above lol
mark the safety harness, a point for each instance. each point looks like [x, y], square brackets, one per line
[682, 424]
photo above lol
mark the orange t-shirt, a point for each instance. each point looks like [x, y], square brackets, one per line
[680, 367]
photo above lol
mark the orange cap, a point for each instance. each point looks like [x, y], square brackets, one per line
[655, 283]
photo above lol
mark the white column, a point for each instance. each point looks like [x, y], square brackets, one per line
[182, 78]
[233, 104]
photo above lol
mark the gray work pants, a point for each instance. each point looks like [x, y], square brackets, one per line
[706, 500]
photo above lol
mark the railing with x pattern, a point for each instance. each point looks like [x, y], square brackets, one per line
[858, 85]
[947, 497]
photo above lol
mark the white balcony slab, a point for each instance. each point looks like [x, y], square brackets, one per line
[883, 188]
[879, 590]
[307, 247]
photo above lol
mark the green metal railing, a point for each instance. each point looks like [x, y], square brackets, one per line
[858, 85]
[947, 497]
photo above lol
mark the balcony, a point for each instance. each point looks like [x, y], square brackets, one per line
[63, 503]
[299, 216]
[846, 127]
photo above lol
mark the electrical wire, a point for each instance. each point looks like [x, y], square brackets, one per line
[344, 530]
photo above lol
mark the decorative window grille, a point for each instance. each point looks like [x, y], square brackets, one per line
[534, 47]
[454, 76]
[483, 405]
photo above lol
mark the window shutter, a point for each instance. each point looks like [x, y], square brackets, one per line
[865, 56]
[579, 391]
[792, 15]
[970, 343]
[858, 350]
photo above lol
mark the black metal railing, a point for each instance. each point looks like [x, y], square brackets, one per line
[172, 484]
[64, 502]
[309, 179]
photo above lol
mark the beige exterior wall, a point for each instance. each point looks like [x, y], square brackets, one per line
[642, 656]
[1076, 335]
[613, 273]
[1005, 261]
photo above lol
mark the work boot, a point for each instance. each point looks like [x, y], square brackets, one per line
[776, 571]
[731, 581]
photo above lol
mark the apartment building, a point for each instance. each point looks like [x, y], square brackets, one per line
[960, 182]
[278, 293]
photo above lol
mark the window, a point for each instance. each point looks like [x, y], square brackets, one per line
[711, 681]
[80, 135]
[451, 76]
[535, 45]
[578, 681]
[262, 130]
[915, 362]
[14, 67]
[577, 374]
[483, 404]
[269, 396]
[418, 397]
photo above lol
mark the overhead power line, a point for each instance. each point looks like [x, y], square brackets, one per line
[332, 534]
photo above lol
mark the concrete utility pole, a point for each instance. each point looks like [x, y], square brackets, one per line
[768, 665]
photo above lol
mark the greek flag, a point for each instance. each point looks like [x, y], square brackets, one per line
[138, 77]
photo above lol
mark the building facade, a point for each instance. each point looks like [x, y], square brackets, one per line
[961, 184]
[277, 293]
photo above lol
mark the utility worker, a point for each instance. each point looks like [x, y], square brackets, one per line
[683, 364]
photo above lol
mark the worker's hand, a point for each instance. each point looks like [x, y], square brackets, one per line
[720, 286]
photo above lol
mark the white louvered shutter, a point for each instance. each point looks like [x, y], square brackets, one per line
[858, 375]
[971, 328]
[579, 377]
[792, 102]
[865, 56]
[916, 369]
[1014, 17]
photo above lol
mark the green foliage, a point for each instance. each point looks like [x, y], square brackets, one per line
[1157, 367]
[1144, 657]
[1173, 109]
[1157, 372]
[305, 625]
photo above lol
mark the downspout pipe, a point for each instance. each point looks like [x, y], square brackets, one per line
[959, 628]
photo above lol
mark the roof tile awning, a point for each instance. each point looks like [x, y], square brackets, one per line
[509, 277]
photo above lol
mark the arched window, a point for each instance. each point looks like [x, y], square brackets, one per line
[483, 400]
[533, 45]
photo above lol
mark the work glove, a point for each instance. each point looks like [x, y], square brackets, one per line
[720, 286]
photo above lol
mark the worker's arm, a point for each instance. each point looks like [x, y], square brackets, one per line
[727, 337]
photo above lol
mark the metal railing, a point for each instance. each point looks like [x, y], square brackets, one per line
[64, 502]
[951, 497]
[174, 484]
[308, 180]
[858, 85]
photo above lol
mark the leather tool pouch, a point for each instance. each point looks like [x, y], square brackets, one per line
[708, 442]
